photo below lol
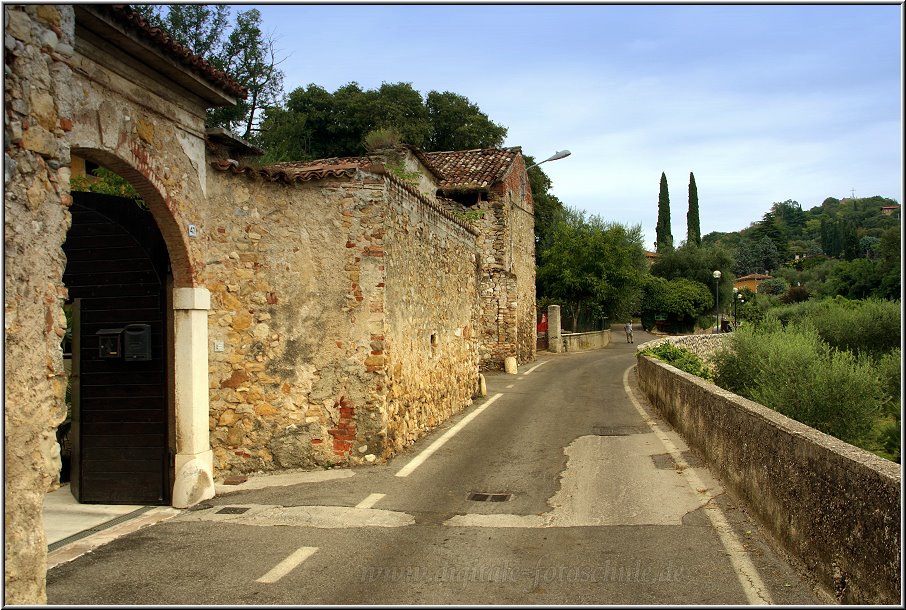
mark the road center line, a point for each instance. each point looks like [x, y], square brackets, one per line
[417, 461]
[753, 587]
[370, 501]
[286, 566]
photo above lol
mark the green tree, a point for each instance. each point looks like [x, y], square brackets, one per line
[250, 57]
[889, 264]
[548, 209]
[198, 27]
[593, 265]
[662, 230]
[775, 286]
[680, 301]
[458, 124]
[693, 228]
[240, 49]
[756, 255]
[314, 123]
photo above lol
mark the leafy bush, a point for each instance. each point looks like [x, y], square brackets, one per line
[384, 137]
[793, 371]
[863, 327]
[680, 357]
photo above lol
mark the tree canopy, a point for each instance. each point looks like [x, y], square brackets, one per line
[679, 300]
[240, 49]
[317, 124]
[593, 265]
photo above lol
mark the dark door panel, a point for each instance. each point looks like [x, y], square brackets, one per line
[116, 268]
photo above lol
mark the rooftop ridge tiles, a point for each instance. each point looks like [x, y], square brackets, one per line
[127, 16]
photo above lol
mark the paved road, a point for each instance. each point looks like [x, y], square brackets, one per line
[590, 500]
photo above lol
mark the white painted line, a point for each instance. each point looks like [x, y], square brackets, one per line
[286, 566]
[370, 501]
[417, 461]
[510, 386]
[752, 585]
[536, 366]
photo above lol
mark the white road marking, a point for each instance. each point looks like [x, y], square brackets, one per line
[540, 364]
[370, 501]
[753, 587]
[510, 386]
[417, 461]
[286, 566]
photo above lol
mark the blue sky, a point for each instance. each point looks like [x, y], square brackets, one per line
[763, 103]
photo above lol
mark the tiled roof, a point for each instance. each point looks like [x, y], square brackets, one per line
[133, 21]
[754, 276]
[298, 171]
[477, 168]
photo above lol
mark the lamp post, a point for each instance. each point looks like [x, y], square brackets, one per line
[716, 275]
[736, 297]
[557, 155]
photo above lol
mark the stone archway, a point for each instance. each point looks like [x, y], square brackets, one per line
[187, 345]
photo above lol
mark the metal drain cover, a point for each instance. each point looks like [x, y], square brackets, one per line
[489, 497]
[232, 510]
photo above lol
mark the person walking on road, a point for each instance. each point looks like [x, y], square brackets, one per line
[628, 328]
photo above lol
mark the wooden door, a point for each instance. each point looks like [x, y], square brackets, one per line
[116, 268]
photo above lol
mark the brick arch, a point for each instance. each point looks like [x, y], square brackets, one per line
[172, 232]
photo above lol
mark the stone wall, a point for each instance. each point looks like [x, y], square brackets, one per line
[522, 247]
[834, 508]
[296, 276]
[507, 287]
[429, 346]
[345, 311]
[703, 346]
[38, 43]
[580, 342]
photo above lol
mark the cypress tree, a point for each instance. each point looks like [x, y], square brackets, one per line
[662, 230]
[693, 228]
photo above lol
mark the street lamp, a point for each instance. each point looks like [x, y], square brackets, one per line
[736, 297]
[557, 155]
[716, 275]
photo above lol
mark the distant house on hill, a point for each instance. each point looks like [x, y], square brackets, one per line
[751, 281]
[890, 210]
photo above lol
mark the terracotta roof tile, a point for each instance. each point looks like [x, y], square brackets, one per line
[477, 168]
[125, 15]
[297, 171]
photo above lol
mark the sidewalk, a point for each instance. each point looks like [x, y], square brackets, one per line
[73, 529]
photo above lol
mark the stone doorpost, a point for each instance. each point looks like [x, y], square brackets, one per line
[194, 480]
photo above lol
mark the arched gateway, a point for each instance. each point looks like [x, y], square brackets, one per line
[140, 416]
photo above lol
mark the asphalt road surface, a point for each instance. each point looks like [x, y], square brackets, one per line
[559, 487]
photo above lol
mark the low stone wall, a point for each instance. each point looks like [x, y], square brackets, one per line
[834, 508]
[703, 346]
[579, 342]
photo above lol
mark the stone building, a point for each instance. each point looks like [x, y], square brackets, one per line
[244, 319]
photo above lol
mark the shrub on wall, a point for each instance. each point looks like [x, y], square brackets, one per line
[681, 358]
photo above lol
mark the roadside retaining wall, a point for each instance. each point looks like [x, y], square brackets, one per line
[579, 342]
[703, 346]
[834, 508]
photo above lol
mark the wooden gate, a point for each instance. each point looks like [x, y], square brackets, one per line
[116, 272]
